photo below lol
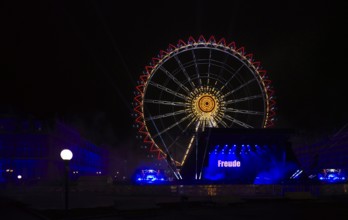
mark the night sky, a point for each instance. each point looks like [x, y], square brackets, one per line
[80, 61]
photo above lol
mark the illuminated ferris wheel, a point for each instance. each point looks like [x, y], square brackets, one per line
[197, 84]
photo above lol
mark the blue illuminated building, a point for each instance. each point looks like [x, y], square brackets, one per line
[31, 148]
[242, 156]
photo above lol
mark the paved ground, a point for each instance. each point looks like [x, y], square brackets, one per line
[180, 208]
[11, 209]
[177, 203]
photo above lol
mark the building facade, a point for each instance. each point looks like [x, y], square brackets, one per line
[30, 151]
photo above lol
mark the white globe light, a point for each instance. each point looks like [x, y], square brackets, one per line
[66, 154]
[19, 177]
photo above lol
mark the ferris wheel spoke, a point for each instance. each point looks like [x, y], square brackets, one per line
[177, 144]
[213, 123]
[165, 115]
[183, 131]
[184, 71]
[203, 125]
[172, 144]
[209, 64]
[233, 75]
[208, 81]
[181, 146]
[153, 101]
[245, 125]
[167, 90]
[242, 111]
[174, 79]
[191, 141]
[172, 126]
[223, 123]
[243, 99]
[188, 149]
[239, 87]
[196, 67]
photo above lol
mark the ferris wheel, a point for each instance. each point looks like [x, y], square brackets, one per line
[196, 84]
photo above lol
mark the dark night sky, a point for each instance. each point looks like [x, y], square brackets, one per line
[80, 61]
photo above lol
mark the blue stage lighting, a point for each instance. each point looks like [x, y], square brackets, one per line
[296, 174]
[149, 176]
[332, 176]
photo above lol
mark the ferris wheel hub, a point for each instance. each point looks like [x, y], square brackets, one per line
[206, 103]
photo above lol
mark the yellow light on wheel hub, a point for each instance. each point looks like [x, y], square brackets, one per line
[205, 106]
[206, 103]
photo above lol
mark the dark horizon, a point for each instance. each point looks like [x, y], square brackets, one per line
[80, 61]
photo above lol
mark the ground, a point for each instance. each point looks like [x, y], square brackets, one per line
[189, 207]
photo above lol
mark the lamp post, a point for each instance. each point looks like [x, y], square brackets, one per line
[66, 156]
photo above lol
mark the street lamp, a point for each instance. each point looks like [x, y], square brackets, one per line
[66, 155]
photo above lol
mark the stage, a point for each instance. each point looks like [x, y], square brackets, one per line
[241, 156]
